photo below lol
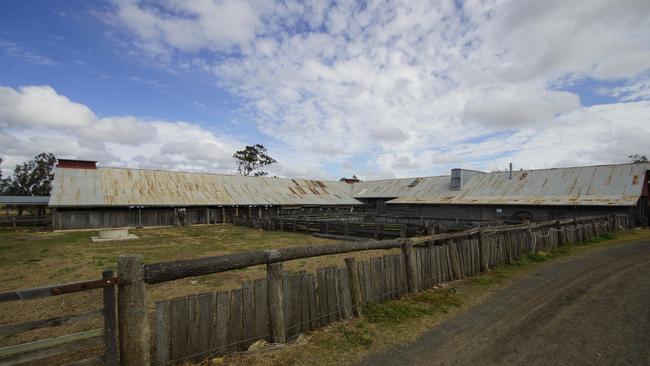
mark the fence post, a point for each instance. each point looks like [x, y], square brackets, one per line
[110, 348]
[402, 231]
[355, 286]
[482, 246]
[560, 233]
[132, 311]
[610, 224]
[276, 302]
[409, 264]
[593, 228]
[430, 228]
[583, 232]
[455, 261]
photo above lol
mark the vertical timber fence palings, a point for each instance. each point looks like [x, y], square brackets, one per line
[285, 304]
[43, 350]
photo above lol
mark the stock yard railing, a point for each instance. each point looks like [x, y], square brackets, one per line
[440, 223]
[32, 220]
[284, 304]
[377, 227]
[38, 351]
[344, 228]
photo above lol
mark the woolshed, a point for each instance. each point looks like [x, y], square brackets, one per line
[87, 196]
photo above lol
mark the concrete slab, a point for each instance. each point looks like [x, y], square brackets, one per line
[97, 239]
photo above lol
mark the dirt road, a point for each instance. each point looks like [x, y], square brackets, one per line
[592, 309]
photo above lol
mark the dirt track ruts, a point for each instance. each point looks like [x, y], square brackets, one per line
[591, 309]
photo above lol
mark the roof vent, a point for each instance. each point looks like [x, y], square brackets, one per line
[456, 181]
[461, 176]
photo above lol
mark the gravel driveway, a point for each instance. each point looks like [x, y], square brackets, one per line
[590, 309]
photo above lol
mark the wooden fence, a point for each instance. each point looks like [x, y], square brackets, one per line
[442, 224]
[344, 228]
[31, 220]
[40, 351]
[284, 303]
[362, 226]
[209, 324]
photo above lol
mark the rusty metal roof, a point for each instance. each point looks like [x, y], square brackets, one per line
[403, 187]
[602, 185]
[134, 187]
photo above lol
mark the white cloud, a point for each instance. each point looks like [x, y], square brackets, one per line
[191, 25]
[529, 39]
[42, 106]
[599, 134]
[518, 105]
[411, 87]
[37, 119]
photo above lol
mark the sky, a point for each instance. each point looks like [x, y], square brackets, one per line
[379, 89]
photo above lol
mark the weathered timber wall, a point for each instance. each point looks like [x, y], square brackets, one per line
[104, 217]
[502, 212]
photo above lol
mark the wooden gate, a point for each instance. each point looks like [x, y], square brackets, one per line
[38, 351]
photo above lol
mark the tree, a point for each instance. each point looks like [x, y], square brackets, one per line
[636, 158]
[251, 159]
[32, 178]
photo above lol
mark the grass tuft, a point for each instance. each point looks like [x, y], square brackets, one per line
[358, 335]
[426, 303]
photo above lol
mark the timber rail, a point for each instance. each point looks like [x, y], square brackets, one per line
[32, 220]
[174, 270]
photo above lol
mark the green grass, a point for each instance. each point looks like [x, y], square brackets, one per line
[425, 303]
[357, 335]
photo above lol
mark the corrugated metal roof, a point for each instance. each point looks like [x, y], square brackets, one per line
[603, 185]
[24, 200]
[135, 187]
[412, 187]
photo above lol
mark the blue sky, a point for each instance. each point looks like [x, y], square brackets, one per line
[83, 62]
[377, 89]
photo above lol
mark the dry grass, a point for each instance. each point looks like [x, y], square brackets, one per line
[30, 258]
